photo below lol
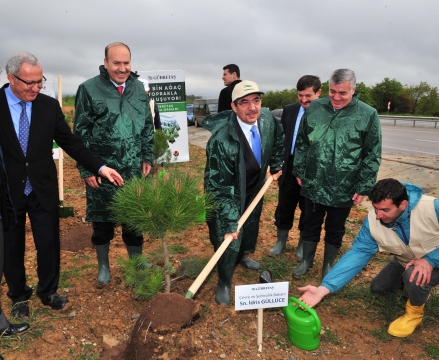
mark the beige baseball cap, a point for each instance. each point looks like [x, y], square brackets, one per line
[244, 88]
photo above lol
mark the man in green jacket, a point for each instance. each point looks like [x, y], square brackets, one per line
[113, 118]
[244, 142]
[338, 153]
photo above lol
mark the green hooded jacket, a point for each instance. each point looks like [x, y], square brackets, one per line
[338, 153]
[224, 175]
[116, 128]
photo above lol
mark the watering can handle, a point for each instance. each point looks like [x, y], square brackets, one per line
[307, 308]
[212, 262]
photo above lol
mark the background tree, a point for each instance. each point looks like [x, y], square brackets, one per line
[416, 93]
[364, 92]
[386, 91]
[429, 104]
[278, 99]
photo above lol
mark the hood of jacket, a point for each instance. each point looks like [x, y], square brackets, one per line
[414, 193]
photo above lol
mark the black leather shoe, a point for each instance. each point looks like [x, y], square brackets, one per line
[20, 309]
[14, 329]
[55, 301]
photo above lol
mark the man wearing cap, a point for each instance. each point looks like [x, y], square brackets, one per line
[230, 77]
[113, 118]
[244, 143]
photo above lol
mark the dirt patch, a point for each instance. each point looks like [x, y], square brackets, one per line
[102, 321]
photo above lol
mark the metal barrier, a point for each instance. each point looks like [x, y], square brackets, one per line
[434, 120]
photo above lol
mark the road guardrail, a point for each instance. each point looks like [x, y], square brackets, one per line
[414, 119]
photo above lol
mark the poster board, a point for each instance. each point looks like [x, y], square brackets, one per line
[167, 89]
[49, 90]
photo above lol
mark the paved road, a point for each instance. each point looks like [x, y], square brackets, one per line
[411, 141]
[421, 169]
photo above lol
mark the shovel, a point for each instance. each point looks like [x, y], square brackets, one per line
[64, 212]
[212, 262]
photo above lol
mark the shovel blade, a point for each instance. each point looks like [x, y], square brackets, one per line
[65, 212]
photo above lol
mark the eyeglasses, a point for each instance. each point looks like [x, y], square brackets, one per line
[246, 103]
[31, 84]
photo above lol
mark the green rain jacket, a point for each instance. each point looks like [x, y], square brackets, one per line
[116, 128]
[224, 175]
[337, 154]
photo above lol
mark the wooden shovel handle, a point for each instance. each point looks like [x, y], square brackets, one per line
[212, 262]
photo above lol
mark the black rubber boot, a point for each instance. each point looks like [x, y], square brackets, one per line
[282, 237]
[134, 251]
[328, 261]
[104, 275]
[299, 251]
[309, 251]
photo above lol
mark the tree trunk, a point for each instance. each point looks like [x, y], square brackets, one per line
[167, 276]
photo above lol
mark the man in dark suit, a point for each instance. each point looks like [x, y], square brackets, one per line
[6, 328]
[308, 89]
[230, 77]
[29, 123]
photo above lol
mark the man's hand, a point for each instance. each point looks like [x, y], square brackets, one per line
[277, 175]
[299, 181]
[357, 198]
[421, 267]
[146, 169]
[92, 181]
[234, 235]
[312, 295]
[111, 175]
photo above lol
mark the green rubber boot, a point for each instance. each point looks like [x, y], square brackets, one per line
[299, 251]
[222, 293]
[104, 275]
[328, 261]
[282, 237]
[134, 251]
[309, 251]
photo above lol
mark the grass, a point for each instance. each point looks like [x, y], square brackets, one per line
[332, 337]
[381, 334]
[192, 267]
[432, 351]
[65, 275]
[281, 266]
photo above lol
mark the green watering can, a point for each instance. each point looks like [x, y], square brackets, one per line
[303, 324]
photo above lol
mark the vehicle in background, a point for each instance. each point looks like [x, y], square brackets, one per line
[190, 114]
[277, 113]
[204, 108]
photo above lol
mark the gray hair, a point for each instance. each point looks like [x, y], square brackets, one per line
[13, 65]
[342, 75]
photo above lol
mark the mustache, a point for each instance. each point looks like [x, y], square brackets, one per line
[249, 112]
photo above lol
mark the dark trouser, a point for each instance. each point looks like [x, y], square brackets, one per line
[289, 197]
[394, 276]
[247, 237]
[103, 233]
[45, 230]
[334, 223]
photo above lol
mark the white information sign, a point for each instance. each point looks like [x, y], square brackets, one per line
[49, 90]
[259, 296]
[167, 88]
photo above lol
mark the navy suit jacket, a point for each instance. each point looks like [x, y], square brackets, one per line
[47, 124]
[288, 121]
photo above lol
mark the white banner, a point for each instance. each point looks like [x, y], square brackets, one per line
[167, 88]
[259, 296]
[49, 90]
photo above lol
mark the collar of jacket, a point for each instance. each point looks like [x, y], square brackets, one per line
[104, 73]
[354, 101]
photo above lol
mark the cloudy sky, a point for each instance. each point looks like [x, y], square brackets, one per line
[273, 42]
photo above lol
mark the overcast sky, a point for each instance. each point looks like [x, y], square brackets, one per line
[273, 42]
